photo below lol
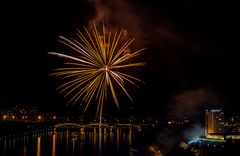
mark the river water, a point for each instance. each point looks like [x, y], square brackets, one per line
[75, 142]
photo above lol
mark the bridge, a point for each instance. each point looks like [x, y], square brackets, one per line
[77, 125]
[96, 125]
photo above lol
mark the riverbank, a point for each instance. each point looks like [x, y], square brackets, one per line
[11, 129]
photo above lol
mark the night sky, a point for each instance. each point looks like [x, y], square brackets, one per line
[191, 57]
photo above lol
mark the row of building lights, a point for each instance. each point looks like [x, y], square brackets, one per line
[6, 117]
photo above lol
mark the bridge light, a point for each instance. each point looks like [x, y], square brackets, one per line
[4, 116]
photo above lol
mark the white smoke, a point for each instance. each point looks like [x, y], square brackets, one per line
[193, 132]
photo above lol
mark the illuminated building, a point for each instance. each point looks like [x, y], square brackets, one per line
[233, 125]
[214, 122]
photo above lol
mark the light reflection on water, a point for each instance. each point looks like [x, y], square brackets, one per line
[77, 142]
[39, 146]
[54, 145]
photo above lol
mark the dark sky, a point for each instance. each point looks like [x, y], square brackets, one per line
[191, 57]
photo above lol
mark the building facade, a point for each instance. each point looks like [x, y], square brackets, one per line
[214, 121]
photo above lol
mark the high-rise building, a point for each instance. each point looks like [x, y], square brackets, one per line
[214, 121]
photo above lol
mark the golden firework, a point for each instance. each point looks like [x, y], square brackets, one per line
[97, 66]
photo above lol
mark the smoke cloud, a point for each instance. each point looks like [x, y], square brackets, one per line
[140, 21]
[192, 103]
[166, 140]
[193, 132]
[115, 13]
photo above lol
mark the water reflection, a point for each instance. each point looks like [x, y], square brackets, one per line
[5, 147]
[118, 139]
[105, 138]
[111, 136]
[72, 142]
[24, 148]
[100, 141]
[24, 151]
[67, 135]
[54, 145]
[38, 146]
[82, 137]
[129, 138]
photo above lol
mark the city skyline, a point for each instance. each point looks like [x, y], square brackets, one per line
[191, 61]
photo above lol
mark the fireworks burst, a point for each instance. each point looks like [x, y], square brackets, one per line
[97, 67]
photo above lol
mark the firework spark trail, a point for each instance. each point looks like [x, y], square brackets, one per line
[96, 67]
